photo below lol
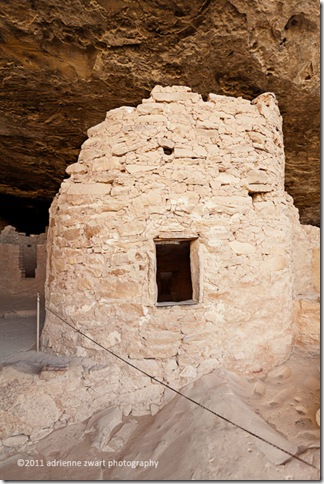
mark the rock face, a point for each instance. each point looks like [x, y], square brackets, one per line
[307, 285]
[64, 64]
[172, 243]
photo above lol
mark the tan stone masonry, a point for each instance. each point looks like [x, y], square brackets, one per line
[177, 168]
[22, 262]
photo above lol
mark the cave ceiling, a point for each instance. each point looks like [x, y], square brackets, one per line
[65, 63]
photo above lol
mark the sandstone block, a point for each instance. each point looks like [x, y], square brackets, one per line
[180, 96]
[226, 179]
[152, 367]
[199, 336]
[112, 205]
[265, 208]
[107, 340]
[121, 149]
[171, 366]
[276, 263]
[130, 229]
[89, 189]
[184, 359]
[185, 152]
[166, 143]
[257, 177]
[241, 247]
[15, 441]
[40, 434]
[257, 137]
[160, 351]
[76, 168]
[259, 188]
[208, 124]
[189, 372]
[119, 113]
[316, 269]
[105, 163]
[151, 199]
[95, 130]
[92, 229]
[307, 321]
[154, 408]
[153, 119]
[123, 289]
[162, 337]
[150, 108]
[230, 204]
[132, 169]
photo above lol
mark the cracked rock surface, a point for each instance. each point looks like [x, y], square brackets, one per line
[65, 64]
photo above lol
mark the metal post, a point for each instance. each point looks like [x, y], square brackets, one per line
[37, 328]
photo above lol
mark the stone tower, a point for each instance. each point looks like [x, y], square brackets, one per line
[171, 242]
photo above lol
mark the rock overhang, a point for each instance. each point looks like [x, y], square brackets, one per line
[61, 72]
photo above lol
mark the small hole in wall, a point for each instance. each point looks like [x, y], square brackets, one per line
[256, 196]
[168, 151]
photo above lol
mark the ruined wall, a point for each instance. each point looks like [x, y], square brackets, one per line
[306, 261]
[22, 262]
[176, 167]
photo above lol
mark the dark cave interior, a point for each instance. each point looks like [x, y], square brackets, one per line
[27, 215]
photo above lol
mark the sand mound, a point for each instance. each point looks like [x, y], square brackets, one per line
[184, 441]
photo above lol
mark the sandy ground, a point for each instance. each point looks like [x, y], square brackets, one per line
[17, 326]
[184, 441]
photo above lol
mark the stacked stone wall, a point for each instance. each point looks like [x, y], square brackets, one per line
[306, 259]
[23, 263]
[173, 168]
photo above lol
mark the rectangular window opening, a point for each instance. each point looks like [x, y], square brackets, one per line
[174, 273]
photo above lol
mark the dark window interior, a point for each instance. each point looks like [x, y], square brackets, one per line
[29, 258]
[173, 275]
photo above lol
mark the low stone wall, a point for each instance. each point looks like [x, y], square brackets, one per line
[65, 392]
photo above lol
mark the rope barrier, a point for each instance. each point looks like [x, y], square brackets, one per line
[294, 456]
